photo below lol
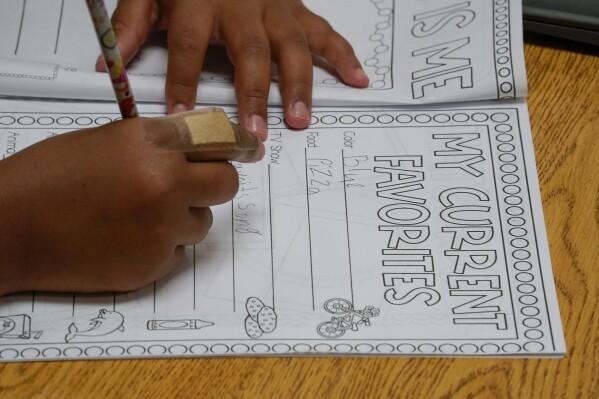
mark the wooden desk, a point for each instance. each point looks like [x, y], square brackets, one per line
[564, 110]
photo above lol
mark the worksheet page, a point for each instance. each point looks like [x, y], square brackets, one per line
[377, 231]
[413, 52]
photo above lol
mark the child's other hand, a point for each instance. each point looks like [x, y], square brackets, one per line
[107, 209]
[255, 32]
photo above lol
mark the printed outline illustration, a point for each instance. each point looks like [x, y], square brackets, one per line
[493, 119]
[178, 324]
[261, 319]
[345, 320]
[17, 326]
[99, 325]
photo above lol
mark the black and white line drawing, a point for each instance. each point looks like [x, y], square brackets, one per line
[17, 326]
[348, 318]
[381, 58]
[105, 323]
[261, 318]
[181, 324]
[412, 229]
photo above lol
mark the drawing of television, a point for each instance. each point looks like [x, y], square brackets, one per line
[17, 326]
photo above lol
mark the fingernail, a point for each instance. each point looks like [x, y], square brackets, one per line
[300, 110]
[257, 125]
[179, 108]
[100, 66]
[360, 74]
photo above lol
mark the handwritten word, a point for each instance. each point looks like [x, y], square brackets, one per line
[242, 202]
[319, 174]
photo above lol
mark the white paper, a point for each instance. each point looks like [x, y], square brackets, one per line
[413, 51]
[323, 251]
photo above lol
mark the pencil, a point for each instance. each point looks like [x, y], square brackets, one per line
[112, 58]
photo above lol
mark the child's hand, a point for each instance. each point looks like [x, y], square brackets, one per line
[255, 32]
[108, 208]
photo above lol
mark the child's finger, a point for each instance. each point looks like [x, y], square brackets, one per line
[132, 21]
[190, 26]
[326, 42]
[249, 49]
[196, 226]
[294, 59]
[203, 135]
[209, 183]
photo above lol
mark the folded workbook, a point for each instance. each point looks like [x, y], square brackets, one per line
[383, 229]
[414, 52]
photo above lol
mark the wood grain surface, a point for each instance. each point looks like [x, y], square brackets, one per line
[564, 109]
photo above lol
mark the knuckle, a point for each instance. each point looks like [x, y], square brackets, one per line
[180, 89]
[323, 29]
[131, 125]
[138, 124]
[302, 84]
[297, 39]
[345, 49]
[157, 185]
[256, 94]
[255, 47]
[186, 42]
[121, 26]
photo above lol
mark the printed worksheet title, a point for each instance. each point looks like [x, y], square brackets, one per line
[442, 63]
[469, 263]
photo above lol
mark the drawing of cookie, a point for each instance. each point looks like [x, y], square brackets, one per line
[267, 319]
[252, 328]
[253, 306]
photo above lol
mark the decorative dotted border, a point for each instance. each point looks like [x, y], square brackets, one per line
[382, 52]
[55, 120]
[519, 231]
[506, 86]
[524, 269]
[277, 348]
[34, 77]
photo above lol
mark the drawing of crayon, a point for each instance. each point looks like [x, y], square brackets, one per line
[184, 324]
